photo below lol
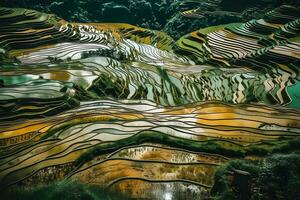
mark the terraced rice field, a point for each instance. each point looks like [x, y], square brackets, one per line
[136, 112]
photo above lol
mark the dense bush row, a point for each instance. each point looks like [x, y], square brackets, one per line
[210, 146]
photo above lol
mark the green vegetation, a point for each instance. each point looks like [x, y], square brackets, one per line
[154, 14]
[157, 137]
[283, 145]
[64, 190]
[210, 146]
[275, 177]
[224, 187]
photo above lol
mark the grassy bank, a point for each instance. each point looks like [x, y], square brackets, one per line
[64, 190]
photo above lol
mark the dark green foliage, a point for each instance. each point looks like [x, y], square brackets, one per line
[290, 146]
[154, 14]
[65, 190]
[5, 59]
[105, 86]
[222, 187]
[284, 145]
[111, 53]
[279, 178]
[275, 177]
[55, 60]
[256, 150]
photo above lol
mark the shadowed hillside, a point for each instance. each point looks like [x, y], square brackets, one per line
[155, 14]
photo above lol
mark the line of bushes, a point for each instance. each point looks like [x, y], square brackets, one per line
[210, 146]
